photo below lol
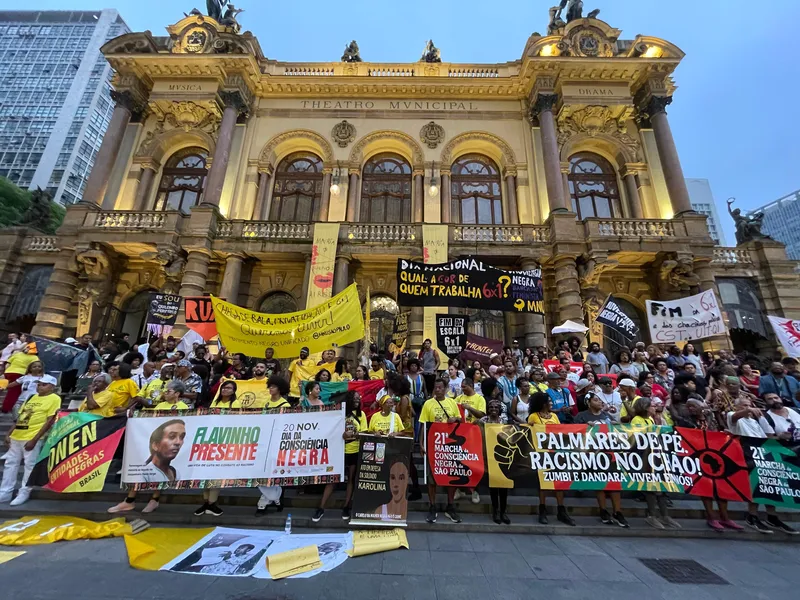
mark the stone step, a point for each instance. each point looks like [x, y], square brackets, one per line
[178, 515]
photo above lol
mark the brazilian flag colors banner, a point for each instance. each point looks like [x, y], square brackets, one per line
[77, 452]
[615, 458]
[335, 392]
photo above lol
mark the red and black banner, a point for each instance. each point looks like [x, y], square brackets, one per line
[200, 316]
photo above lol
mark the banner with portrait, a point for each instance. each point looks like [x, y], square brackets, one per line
[77, 452]
[451, 334]
[233, 449]
[200, 316]
[399, 333]
[162, 312]
[382, 479]
[469, 283]
[333, 323]
[693, 318]
[480, 349]
[616, 458]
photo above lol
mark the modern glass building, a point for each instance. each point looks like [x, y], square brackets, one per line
[55, 96]
[782, 222]
[703, 202]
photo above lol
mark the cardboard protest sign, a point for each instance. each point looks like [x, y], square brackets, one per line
[686, 319]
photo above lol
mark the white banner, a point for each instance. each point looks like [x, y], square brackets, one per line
[692, 318]
[788, 333]
[234, 450]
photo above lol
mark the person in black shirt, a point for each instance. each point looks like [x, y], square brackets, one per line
[273, 364]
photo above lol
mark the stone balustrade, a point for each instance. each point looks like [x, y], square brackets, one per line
[262, 230]
[42, 243]
[383, 233]
[731, 256]
[124, 219]
[501, 234]
[636, 228]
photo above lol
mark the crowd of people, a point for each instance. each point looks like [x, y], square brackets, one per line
[643, 385]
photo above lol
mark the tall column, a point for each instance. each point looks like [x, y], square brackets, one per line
[446, 198]
[193, 282]
[229, 290]
[568, 289]
[565, 184]
[634, 200]
[670, 163]
[149, 171]
[419, 196]
[96, 185]
[232, 106]
[543, 109]
[306, 276]
[535, 333]
[61, 292]
[511, 190]
[261, 195]
[342, 274]
[325, 201]
[352, 196]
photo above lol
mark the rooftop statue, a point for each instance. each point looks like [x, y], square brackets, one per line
[574, 11]
[431, 54]
[747, 228]
[351, 53]
[229, 18]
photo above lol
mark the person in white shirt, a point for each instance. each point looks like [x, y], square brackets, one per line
[748, 421]
[612, 401]
[15, 344]
[784, 420]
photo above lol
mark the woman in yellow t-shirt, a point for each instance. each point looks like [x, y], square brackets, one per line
[16, 367]
[542, 414]
[386, 422]
[123, 389]
[226, 397]
[341, 373]
[354, 424]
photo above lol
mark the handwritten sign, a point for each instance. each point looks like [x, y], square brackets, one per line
[692, 318]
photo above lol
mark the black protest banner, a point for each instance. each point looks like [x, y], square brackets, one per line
[382, 479]
[451, 334]
[469, 283]
[399, 333]
[611, 315]
[162, 312]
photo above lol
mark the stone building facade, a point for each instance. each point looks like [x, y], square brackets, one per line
[218, 162]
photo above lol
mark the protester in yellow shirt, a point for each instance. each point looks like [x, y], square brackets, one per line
[227, 395]
[542, 414]
[355, 423]
[440, 409]
[474, 404]
[150, 394]
[98, 398]
[16, 367]
[122, 388]
[386, 422]
[627, 391]
[377, 371]
[36, 416]
[295, 376]
[341, 372]
[171, 397]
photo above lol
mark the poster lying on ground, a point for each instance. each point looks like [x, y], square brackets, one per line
[77, 452]
[693, 318]
[332, 323]
[382, 480]
[617, 458]
[234, 449]
[451, 334]
[469, 283]
[480, 349]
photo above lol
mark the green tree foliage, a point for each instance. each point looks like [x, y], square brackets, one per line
[21, 207]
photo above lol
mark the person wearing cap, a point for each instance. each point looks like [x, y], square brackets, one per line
[16, 367]
[192, 382]
[582, 389]
[612, 402]
[294, 375]
[495, 361]
[25, 440]
[538, 383]
[516, 352]
[627, 392]
[561, 398]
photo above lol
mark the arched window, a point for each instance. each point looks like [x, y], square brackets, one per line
[383, 312]
[475, 191]
[386, 190]
[593, 186]
[278, 303]
[486, 323]
[182, 180]
[298, 188]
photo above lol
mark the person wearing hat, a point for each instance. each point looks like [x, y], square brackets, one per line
[582, 389]
[627, 392]
[561, 398]
[612, 401]
[386, 422]
[294, 375]
[516, 352]
[192, 382]
[25, 440]
[16, 367]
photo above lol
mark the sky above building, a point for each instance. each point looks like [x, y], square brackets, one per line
[737, 87]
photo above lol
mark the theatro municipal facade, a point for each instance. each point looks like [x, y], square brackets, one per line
[221, 166]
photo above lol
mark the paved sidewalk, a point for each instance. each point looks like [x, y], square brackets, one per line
[441, 566]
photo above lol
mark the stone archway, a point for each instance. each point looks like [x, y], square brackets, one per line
[296, 140]
[387, 141]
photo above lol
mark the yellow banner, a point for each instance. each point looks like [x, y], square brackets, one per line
[333, 323]
[434, 250]
[294, 562]
[372, 541]
[152, 549]
[31, 531]
[323, 262]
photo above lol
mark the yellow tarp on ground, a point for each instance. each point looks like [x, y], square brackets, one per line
[29, 531]
[152, 549]
[294, 562]
[378, 540]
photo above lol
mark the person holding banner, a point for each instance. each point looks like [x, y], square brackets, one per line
[440, 409]
[355, 424]
[474, 406]
[294, 375]
[278, 389]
